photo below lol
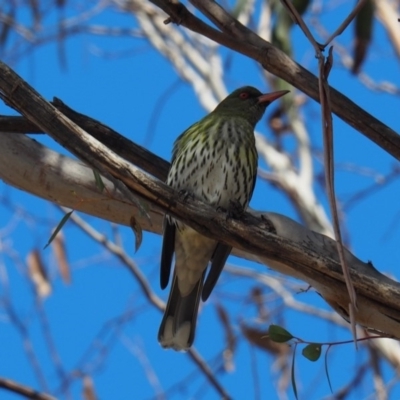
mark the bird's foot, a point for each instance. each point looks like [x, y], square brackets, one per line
[185, 195]
[234, 211]
[222, 209]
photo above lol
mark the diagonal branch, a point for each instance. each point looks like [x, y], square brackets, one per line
[241, 39]
[23, 390]
[269, 238]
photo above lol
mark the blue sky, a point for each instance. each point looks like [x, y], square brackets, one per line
[122, 93]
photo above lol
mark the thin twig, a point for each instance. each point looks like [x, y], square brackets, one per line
[27, 343]
[346, 22]
[327, 129]
[195, 356]
[24, 390]
[147, 291]
[291, 9]
[120, 253]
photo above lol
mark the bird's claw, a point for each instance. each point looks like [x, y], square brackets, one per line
[234, 211]
[185, 195]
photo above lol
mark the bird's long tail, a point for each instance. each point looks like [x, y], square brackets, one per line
[178, 325]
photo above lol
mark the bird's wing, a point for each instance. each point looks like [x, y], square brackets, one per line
[218, 260]
[168, 249]
[184, 139]
[255, 164]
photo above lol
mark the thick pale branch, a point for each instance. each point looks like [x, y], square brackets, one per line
[293, 250]
[269, 238]
[33, 168]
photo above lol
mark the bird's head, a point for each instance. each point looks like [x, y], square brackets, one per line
[247, 102]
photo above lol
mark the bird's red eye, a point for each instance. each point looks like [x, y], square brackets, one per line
[244, 95]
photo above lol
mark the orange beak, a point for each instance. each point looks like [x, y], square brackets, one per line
[270, 97]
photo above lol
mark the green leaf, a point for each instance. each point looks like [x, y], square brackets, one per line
[364, 23]
[312, 351]
[58, 227]
[292, 374]
[278, 334]
[301, 5]
[99, 182]
[326, 368]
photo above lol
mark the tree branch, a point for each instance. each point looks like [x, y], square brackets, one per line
[269, 238]
[241, 39]
[23, 390]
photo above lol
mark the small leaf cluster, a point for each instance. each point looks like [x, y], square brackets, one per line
[312, 351]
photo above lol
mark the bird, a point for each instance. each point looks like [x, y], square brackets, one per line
[214, 160]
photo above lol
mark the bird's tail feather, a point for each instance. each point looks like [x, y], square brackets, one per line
[178, 325]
